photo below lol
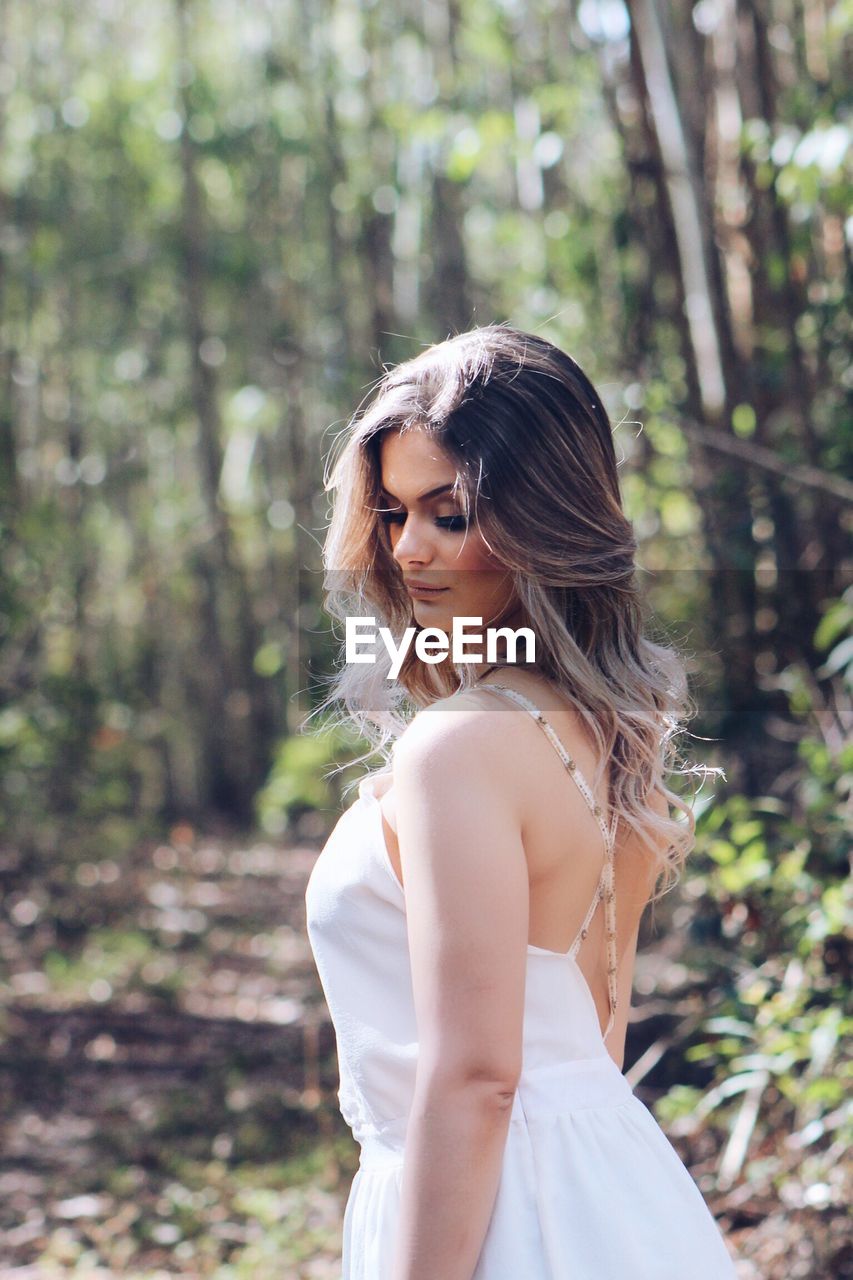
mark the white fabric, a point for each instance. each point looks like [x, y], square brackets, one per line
[590, 1187]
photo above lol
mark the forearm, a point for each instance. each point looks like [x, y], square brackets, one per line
[454, 1153]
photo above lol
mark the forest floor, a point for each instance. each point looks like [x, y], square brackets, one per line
[168, 1078]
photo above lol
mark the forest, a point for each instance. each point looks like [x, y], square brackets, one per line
[220, 221]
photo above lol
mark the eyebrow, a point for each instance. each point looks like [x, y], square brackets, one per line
[430, 493]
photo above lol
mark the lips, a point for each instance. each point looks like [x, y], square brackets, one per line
[422, 588]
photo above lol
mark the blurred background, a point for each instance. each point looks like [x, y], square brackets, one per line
[219, 220]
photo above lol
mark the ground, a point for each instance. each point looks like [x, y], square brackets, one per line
[168, 1078]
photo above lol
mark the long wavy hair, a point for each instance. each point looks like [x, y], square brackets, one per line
[536, 472]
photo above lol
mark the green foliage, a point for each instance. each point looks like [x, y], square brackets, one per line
[300, 777]
[777, 875]
[111, 959]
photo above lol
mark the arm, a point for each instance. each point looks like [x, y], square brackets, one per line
[466, 884]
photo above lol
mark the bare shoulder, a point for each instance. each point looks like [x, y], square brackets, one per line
[453, 743]
[458, 717]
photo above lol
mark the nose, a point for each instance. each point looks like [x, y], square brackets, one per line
[413, 545]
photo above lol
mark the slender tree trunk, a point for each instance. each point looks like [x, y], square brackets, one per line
[809, 543]
[9, 495]
[447, 292]
[236, 743]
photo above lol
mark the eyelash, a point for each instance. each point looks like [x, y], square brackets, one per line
[453, 524]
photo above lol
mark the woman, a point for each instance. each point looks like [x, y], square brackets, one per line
[474, 914]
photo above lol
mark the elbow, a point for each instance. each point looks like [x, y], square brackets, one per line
[473, 1079]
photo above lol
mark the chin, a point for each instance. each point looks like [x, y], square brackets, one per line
[429, 615]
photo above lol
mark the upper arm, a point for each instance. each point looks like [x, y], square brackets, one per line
[465, 873]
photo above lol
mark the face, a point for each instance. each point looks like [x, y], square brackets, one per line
[429, 539]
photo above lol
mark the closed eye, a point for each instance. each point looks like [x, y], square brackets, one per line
[454, 524]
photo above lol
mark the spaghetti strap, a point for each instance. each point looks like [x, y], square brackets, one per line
[605, 889]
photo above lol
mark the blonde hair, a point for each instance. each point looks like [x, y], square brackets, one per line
[537, 473]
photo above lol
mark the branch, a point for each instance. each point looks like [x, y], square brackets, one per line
[758, 455]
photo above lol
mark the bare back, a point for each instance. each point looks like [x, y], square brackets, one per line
[563, 844]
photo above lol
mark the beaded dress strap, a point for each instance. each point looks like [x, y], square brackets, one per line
[606, 887]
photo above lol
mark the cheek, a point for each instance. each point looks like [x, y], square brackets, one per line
[476, 556]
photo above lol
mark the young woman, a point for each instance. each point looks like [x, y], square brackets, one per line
[474, 914]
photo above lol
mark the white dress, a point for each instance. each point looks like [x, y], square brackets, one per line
[590, 1186]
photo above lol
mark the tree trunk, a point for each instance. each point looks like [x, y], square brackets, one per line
[236, 741]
